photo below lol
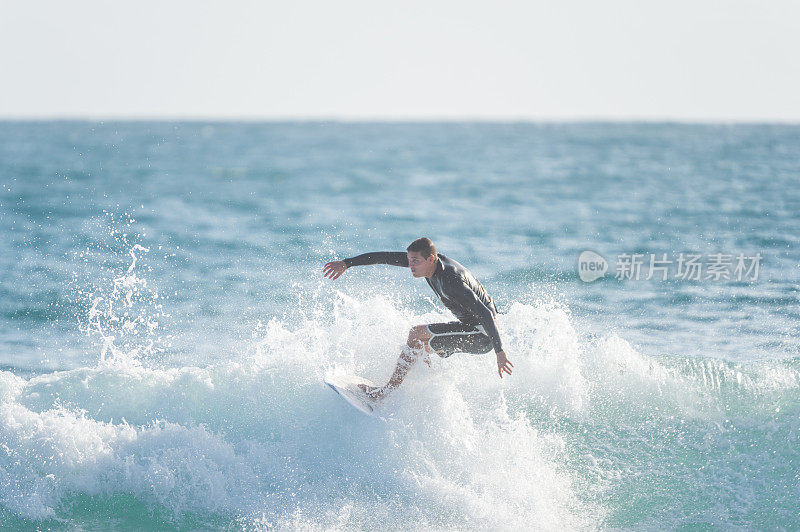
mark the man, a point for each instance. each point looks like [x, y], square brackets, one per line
[474, 332]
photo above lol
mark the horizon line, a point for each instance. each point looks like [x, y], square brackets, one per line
[400, 120]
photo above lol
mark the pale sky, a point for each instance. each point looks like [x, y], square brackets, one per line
[401, 60]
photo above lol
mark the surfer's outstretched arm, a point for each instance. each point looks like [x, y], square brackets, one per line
[392, 258]
[334, 269]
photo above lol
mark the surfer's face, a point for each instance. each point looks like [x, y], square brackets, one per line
[420, 266]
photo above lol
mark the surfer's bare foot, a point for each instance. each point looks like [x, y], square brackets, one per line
[373, 392]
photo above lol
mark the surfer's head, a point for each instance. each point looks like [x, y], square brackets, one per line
[422, 257]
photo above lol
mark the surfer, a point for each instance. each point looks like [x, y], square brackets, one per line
[475, 330]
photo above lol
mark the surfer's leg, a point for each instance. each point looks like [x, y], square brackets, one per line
[419, 340]
[416, 347]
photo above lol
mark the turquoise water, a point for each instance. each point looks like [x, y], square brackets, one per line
[165, 326]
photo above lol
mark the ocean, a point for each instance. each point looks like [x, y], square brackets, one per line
[166, 327]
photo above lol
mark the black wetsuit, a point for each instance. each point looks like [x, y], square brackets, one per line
[460, 292]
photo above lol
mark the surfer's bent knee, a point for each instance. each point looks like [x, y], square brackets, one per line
[418, 337]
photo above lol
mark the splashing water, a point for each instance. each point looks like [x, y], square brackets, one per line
[261, 442]
[125, 320]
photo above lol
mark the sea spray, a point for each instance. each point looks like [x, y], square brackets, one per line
[124, 319]
[263, 437]
[580, 423]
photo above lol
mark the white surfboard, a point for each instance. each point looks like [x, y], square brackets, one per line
[347, 387]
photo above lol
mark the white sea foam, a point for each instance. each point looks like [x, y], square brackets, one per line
[262, 440]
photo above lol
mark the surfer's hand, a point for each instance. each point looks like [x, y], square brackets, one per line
[503, 364]
[333, 270]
